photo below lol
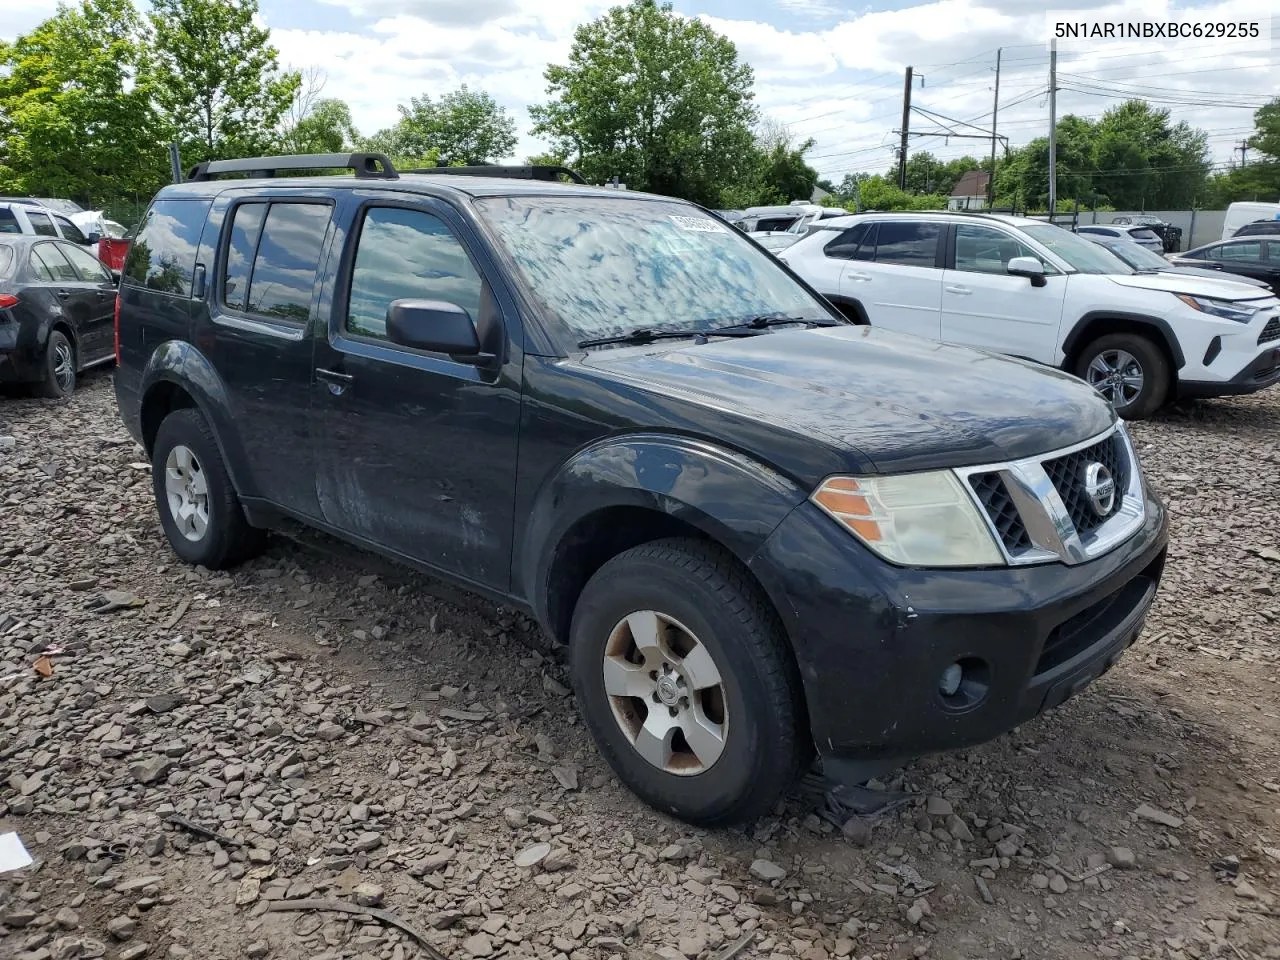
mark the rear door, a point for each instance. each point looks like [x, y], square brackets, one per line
[900, 286]
[76, 299]
[983, 306]
[98, 342]
[270, 250]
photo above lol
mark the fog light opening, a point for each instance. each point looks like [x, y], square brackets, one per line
[965, 683]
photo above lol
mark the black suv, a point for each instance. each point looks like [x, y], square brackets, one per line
[758, 527]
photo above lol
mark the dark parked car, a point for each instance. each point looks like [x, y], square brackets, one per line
[56, 307]
[1140, 258]
[1257, 257]
[1260, 228]
[759, 527]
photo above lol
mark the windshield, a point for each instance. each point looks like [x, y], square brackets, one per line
[605, 267]
[1084, 256]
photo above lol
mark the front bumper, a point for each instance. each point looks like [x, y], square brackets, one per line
[1263, 372]
[873, 640]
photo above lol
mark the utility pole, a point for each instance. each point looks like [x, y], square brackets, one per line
[1243, 150]
[1053, 128]
[995, 108]
[906, 124]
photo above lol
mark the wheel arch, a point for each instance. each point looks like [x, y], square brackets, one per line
[1098, 323]
[177, 376]
[622, 492]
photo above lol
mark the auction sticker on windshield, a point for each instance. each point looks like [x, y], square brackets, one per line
[697, 224]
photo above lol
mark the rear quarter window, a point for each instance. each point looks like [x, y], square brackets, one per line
[7, 260]
[163, 255]
[9, 222]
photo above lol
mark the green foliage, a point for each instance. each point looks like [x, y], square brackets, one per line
[1133, 158]
[883, 193]
[1266, 137]
[927, 174]
[657, 99]
[1260, 178]
[327, 128]
[76, 109]
[216, 78]
[776, 171]
[464, 127]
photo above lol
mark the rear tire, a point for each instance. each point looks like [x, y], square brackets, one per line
[58, 367]
[716, 663]
[199, 510]
[1129, 370]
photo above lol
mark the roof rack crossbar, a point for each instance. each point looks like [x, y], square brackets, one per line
[526, 172]
[366, 166]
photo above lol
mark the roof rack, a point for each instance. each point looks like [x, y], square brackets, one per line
[527, 172]
[366, 166]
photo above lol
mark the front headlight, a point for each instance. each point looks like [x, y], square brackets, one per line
[915, 519]
[1219, 308]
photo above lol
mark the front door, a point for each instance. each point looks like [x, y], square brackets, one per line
[983, 306]
[416, 451]
[77, 299]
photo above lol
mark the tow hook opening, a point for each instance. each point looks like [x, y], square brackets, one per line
[964, 684]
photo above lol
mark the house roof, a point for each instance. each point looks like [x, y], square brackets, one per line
[972, 184]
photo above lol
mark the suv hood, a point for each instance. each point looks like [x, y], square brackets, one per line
[1223, 289]
[864, 400]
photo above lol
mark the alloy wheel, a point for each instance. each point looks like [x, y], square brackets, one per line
[1117, 375]
[666, 693]
[187, 492]
[64, 366]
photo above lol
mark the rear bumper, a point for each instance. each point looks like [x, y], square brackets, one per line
[1263, 372]
[873, 640]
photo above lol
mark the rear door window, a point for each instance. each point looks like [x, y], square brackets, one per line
[41, 223]
[163, 255]
[911, 244]
[57, 267]
[287, 261]
[1247, 251]
[246, 225]
[9, 221]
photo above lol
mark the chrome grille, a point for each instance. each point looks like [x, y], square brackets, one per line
[1271, 331]
[1039, 511]
[1067, 474]
[995, 499]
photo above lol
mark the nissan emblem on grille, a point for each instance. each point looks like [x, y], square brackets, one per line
[1100, 488]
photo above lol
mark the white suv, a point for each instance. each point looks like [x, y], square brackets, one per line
[1034, 290]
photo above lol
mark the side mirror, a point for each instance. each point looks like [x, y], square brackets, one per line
[437, 326]
[1028, 267]
[93, 237]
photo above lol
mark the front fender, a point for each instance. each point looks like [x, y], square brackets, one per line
[181, 364]
[729, 496]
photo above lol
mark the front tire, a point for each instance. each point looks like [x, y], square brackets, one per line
[199, 510]
[1129, 370]
[58, 370]
[686, 682]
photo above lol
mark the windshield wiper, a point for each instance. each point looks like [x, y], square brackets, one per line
[764, 322]
[643, 335]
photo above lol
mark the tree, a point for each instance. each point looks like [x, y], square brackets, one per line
[316, 124]
[466, 127]
[1260, 178]
[76, 112]
[217, 79]
[659, 100]
[1266, 137]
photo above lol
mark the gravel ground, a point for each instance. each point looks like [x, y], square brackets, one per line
[317, 726]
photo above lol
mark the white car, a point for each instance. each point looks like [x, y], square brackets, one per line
[1037, 291]
[1143, 236]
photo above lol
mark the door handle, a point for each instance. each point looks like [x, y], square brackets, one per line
[861, 277]
[960, 291]
[63, 294]
[334, 376]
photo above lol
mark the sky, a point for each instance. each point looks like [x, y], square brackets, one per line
[828, 69]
